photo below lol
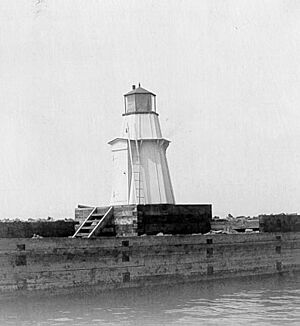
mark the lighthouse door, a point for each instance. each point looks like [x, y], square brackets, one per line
[120, 173]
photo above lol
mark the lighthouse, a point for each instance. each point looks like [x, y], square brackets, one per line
[139, 163]
[142, 200]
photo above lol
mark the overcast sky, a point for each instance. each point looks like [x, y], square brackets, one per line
[227, 79]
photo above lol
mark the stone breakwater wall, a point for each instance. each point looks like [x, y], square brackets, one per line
[56, 263]
[24, 229]
[279, 223]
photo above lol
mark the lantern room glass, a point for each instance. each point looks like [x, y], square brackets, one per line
[140, 103]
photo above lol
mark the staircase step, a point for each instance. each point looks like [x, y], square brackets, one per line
[89, 222]
[81, 235]
[97, 215]
[94, 218]
[87, 227]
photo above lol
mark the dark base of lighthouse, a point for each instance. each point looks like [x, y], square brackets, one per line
[133, 220]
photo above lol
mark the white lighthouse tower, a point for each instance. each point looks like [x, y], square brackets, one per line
[140, 169]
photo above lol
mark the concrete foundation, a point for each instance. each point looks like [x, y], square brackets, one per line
[132, 220]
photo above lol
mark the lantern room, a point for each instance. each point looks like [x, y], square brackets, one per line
[139, 100]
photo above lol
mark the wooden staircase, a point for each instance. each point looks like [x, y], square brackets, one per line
[94, 223]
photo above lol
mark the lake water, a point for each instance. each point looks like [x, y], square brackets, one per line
[272, 300]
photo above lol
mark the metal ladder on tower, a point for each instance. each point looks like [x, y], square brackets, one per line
[137, 177]
[94, 223]
[136, 170]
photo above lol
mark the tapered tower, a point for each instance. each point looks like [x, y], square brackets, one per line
[140, 169]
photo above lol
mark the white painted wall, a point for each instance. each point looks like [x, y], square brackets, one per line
[157, 181]
[154, 183]
[141, 126]
[120, 172]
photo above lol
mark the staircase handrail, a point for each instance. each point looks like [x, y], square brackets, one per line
[99, 223]
[82, 224]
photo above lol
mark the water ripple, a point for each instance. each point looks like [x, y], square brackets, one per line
[256, 301]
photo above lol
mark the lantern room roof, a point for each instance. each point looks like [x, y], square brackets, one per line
[138, 90]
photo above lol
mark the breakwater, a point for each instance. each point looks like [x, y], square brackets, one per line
[116, 262]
